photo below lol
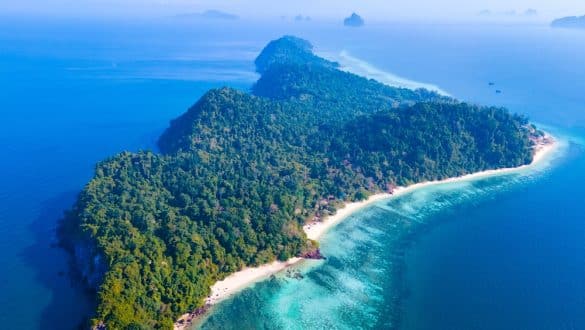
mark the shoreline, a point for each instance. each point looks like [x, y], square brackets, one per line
[314, 230]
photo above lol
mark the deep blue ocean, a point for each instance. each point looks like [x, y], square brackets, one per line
[500, 253]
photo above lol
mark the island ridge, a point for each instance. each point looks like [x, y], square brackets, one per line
[240, 174]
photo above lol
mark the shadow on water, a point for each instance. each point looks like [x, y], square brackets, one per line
[69, 303]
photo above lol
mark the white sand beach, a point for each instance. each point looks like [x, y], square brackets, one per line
[242, 279]
[316, 229]
[237, 281]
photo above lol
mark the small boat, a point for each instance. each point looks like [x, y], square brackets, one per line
[498, 91]
[491, 83]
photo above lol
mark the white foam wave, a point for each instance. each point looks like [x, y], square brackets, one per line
[362, 68]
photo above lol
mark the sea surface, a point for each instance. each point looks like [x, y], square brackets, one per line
[501, 253]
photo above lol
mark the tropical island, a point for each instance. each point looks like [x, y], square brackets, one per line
[354, 20]
[243, 179]
[211, 14]
[571, 22]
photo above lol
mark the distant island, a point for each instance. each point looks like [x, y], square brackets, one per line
[572, 22]
[528, 13]
[210, 14]
[354, 20]
[300, 18]
[240, 174]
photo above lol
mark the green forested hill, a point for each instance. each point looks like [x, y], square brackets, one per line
[290, 50]
[239, 174]
[327, 85]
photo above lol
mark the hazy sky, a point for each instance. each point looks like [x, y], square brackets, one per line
[372, 9]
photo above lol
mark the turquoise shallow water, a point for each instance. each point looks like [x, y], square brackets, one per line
[513, 261]
[362, 283]
[499, 253]
[502, 253]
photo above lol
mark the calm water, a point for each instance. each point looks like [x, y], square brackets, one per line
[499, 253]
[70, 99]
